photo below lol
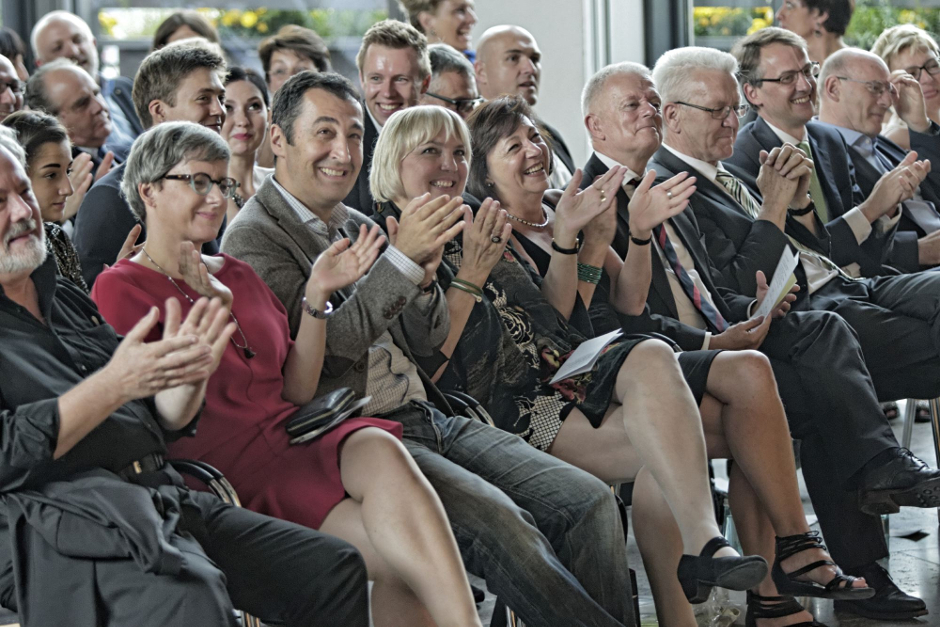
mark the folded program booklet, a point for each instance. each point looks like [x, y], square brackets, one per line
[585, 356]
[783, 280]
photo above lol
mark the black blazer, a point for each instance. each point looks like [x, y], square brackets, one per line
[836, 177]
[905, 240]
[360, 198]
[662, 314]
[737, 245]
[121, 95]
[558, 146]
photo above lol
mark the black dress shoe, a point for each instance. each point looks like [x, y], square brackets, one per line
[889, 602]
[902, 481]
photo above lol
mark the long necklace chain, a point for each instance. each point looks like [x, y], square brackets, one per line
[534, 225]
[246, 348]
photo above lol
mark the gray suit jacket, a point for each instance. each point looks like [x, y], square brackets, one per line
[269, 236]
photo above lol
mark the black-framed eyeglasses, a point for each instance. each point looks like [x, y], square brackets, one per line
[809, 71]
[932, 67]
[722, 112]
[202, 183]
[16, 86]
[463, 105]
[876, 88]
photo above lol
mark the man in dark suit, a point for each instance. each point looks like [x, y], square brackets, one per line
[509, 62]
[61, 34]
[831, 402]
[779, 82]
[394, 71]
[856, 93]
[180, 82]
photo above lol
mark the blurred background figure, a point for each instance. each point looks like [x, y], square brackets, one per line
[444, 21]
[183, 25]
[822, 23]
[453, 85]
[246, 122]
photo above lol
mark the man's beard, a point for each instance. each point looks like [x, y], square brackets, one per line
[29, 259]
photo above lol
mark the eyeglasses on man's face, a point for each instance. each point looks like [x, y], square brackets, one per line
[202, 183]
[463, 105]
[810, 72]
[876, 88]
[720, 113]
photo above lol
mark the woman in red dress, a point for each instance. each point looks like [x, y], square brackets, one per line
[357, 482]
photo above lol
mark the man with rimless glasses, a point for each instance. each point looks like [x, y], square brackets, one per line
[453, 85]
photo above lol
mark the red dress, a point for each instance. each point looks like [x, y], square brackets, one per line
[241, 430]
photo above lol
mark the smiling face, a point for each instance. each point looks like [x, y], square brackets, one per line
[628, 123]
[788, 107]
[391, 80]
[62, 38]
[284, 64]
[320, 165]
[696, 133]
[912, 60]
[245, 118]
[79, 105]
[48, 174]
[519, 163]
[199, 99]
[173, 207]
[797, 18]
[851, 104]
[511, 64]
[22, 238]
[438, 167]
[451, 23]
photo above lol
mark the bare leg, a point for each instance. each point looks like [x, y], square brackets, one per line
[657, 426]
[398, 523]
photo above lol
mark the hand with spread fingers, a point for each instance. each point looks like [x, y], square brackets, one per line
[908, 101]
[577, 210]
[425, 226]
[343, 264]
[212, 326]
[484, 241]
[130, 246]
[197, 276]
[651, 206]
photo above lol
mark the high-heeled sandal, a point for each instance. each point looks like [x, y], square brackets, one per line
[774, 607]
[699, 574]
[839, 587]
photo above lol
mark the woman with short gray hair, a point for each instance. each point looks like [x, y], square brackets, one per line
[356, 481]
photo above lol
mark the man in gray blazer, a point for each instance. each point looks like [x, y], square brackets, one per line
[501, 494]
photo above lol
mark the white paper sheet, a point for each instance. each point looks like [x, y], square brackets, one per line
[585, 356]
[781, 283]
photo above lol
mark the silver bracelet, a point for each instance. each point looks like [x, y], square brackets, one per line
[319, 315]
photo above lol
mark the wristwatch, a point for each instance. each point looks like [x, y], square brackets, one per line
[319, 315]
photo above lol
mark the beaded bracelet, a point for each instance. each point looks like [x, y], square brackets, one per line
[468, 287]
[588, 273]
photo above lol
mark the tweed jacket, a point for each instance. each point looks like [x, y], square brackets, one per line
[269, 236]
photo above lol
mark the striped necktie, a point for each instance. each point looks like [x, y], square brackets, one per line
[704, 307]
[815, 187]
[738, 192]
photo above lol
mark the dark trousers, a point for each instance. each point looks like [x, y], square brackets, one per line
[275, 570]
[833, 410]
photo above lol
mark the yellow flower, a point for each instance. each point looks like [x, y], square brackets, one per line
[703, 21]
[249, 19]
[906, 16]
[230, 17]
[263, 27]
[108, 22]
[769, 15]
[756, 25]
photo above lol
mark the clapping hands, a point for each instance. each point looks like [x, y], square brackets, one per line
[343, 264]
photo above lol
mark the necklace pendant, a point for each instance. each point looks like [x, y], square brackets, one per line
[249, 353]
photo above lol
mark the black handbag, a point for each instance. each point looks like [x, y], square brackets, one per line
[322, 414]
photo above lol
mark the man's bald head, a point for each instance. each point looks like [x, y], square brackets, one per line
[509, 61]
[61, 34]
[848, 86]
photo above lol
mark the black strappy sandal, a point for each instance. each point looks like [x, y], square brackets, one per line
[774, 607]
[788, 584]
[699, 574]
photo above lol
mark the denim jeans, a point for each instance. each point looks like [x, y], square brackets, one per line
[546, 536]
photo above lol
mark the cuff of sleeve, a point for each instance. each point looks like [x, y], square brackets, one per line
[406, 266]
[885, 223]
[859, 224]
[707, 340]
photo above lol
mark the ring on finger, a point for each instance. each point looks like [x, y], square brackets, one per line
[496, 239]
[669, 195]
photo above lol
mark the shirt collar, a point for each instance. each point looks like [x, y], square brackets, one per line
[703, 167]
[784, 136]
[375, 123]
[610, 163]
[338, 216]
[853, 138]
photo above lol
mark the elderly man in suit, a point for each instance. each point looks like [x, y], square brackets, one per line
[501, 495]
[822, 378]
[856, 93]
[779, 81]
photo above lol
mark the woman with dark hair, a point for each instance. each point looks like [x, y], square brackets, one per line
[183, 25]
[245, 126]
[48, 165]
[822, 23]
[357, 481]
[12, 47]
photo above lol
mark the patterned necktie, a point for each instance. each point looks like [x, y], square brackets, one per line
[815, 187]
[738, 192]
[704, 307]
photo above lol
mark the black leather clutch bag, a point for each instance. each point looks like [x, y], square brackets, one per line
[322, 414]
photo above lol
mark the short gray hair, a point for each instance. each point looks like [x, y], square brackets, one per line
[673, 70]
[8, 140]
[595, 85]
[37, 96]
[445, 59]
[160, 149]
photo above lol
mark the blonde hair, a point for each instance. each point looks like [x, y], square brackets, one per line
[405, 131]
[897, 39]
[397, 36]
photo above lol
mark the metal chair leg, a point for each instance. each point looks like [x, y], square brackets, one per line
[910, 412]
[935, 429]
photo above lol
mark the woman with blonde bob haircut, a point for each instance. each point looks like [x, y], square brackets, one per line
[907, 48]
